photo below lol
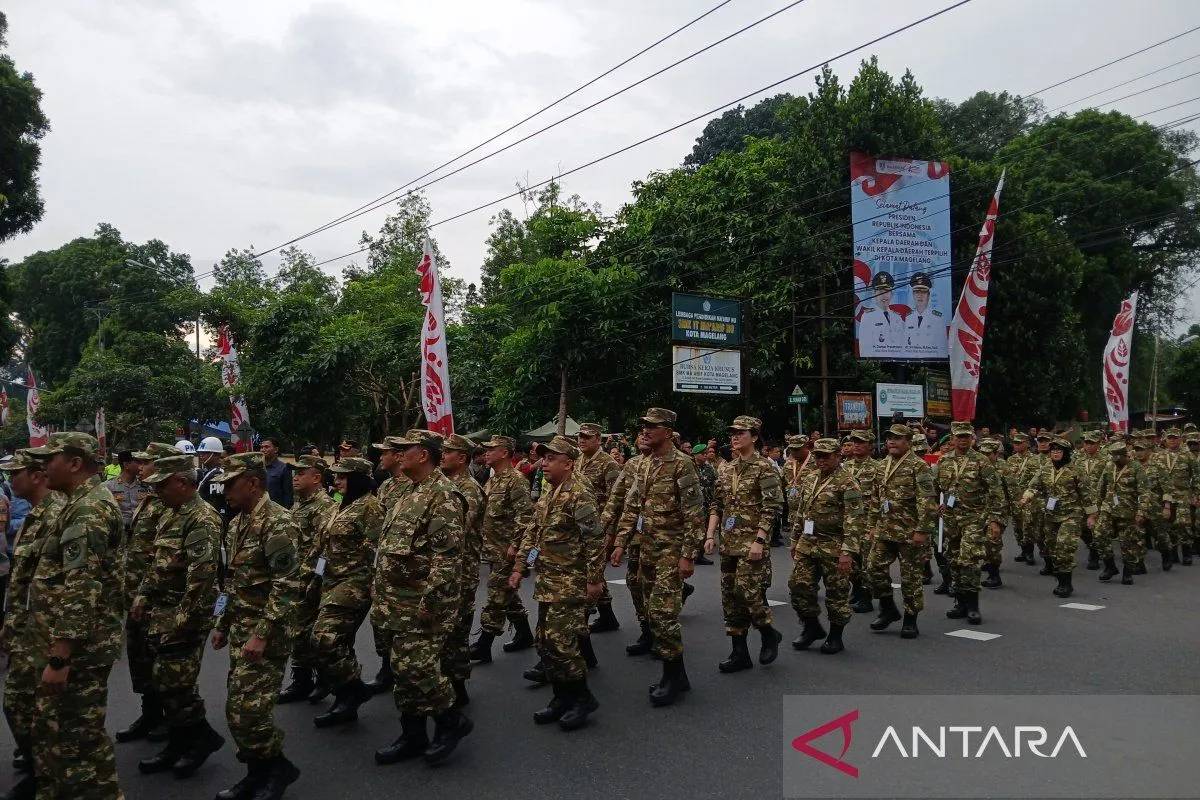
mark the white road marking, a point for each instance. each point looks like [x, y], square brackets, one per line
[776, 603]
[895, 586]
[618, 580]
[1081, 606]
[978, 636]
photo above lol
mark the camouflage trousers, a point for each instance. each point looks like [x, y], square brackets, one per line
[816, 561]
[304, 654]
[383, 641]
[559, 627]
[73, 754]
[1110, 530]
[333, 641]
[176, 670]
[662, 597]
[912, 572]
[1030, 531]
[742, 593]
[456, 654]
[993, 548]
[502, 602]
[1061, 537]
[139, 651]
[421, 687]
[964, 547]
[633, 582]
[251, 688]
[25, 664]
[605, 594]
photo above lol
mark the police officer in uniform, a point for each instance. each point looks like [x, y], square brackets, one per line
[879, 324]
[925, 327]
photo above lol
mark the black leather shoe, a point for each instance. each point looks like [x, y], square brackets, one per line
[739, 657]
[150, 718]
[583, 703]
[384, 679]
[522, 639]
[811, 633]
[299, 689]
[481, 651]
[450, 727]
[644, 643]
[256, 775]
[202, 742]
[280, 774]
[555, 708]
[768, 651]
[412, 742]
[833, 643]
[163, 760]
[888, 613]
[909, 629]
[348, 697]
[536, 674]
[606, 620]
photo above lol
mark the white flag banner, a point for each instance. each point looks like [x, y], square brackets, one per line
[435, 363]
[970, 317]
[1117, 359]
[101, 431]
[231, 374]
[39, 435]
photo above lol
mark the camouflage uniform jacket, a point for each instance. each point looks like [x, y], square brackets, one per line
[904, 486]
[973, 485]
[1091, 466]
[472, 547]
[390, 490]
[748, 500]
[310, 513]
[508, 512]
[865, 470]
[180, 586]
[19, 629]
[346, 538]
[615, 504]
[834, 505]
[566, 532]
[664, 504]
[1179, 476]
[601, 472]
[1020, 468]
[77, 590]
[139, 549]
[793, 475]
[1074, 495]
[263, 579]
[420, 559]
[708, 484]
[1124, 492]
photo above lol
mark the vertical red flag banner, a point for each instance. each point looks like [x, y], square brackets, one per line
[101, 431]
[231, 374]
[970, 317]
[39, 435]
[1117, 358]
[435, 363]
[4, 406]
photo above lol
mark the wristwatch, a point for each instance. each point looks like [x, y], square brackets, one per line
[760, 539]
[58, 662]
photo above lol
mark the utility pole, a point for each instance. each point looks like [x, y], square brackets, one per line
[824, 366]
[1152, 400]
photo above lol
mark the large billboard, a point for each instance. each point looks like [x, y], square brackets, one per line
[901, 214]
[700, 320]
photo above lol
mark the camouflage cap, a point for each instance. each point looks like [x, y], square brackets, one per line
[989, 446]
[390, 443]
[235, 465]
[590, 429]
[883, 280]
[1061, 442]
[459, 442]
[658, 416]
[1192, 437]
[866, 437]
[1019, 437]
[170, 465]
[1117, 449]
[559, 444]
[1174, 433]
[1044, 436]
[311, 462]
[1092, 437]
[1142, 444]
[962, 428]
[796, 442]
[1190, 427]
[22, 459]
[920, 440]
[74, 442]
[423, 438]
[156, 450]
[899, 431]
[351, 464]
[507, 442]
[743, 422]
[827, 445]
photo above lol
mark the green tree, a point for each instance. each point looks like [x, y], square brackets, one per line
[22, 125]
[728, 132]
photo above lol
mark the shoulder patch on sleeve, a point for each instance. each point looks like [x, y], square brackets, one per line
[74, 545]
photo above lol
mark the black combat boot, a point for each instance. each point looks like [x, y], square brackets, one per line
[971, 600]
[384, 680]
[909, 630]
[163, 760]
[481, 651]
[280, 774]
[739, 656]
[321, 689]
[688, 591]
[1175, 559]
[768, 650]
[959, 609]
[702, 560]
[1187, 555]
[24, 789]
[256, 776]
[461, 698]
[536, 673]
[811, 633]
[588, 652]
[558, 705]
[888, 613]
[1167, 562]
[346, 700]
[1028, 553]
[673, 682]
[860, 599]
[23, 756]
[1127, 573]
[1110, 569]
[411, 743]
[644, 643]
[449, 728]
[1064, 588]
[299, 689]
[1140, 567]
[150, 718]
[1093, 561]
[833, 644]
[926, 573]
[202, 742]
[522, 638]
[583, 703]
[992, 581]
[606, 620]
[944, 570]
[1048, 567]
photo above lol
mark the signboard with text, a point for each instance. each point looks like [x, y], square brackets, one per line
[899, 398]
[705, 370]
[937, 395]
[700, 320]
[854, 411]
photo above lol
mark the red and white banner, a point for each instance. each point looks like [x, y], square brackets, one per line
[970, 317]
[1116, 365]
[101, 431]
[231, 374]
[38, 434]
[4, 406]
[435, 363]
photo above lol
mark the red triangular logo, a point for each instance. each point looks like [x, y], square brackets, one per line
[842, 723]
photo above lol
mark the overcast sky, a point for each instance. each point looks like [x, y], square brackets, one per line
[220, 124]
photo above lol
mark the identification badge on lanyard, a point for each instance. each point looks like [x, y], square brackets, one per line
[1051, 503]
[887, 506]
[639, 523]
[1116, 501]
[792, 492]
[951, 501]
[219, 606]
[810, 528]
[532, 556]
[319, 569]
[730, 522]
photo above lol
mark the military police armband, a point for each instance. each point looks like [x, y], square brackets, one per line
[74, 547]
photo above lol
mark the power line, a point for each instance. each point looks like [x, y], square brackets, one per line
[1131, 80]
[1116, 60]
[1126, 97]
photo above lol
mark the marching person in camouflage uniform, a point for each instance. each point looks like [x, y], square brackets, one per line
[457, 452]
[665, 509]
[343, 555]
[140, 534]
[21, 637]
[176, 597]
[1192, 438]
[746, 504]
[1181, 479]
[826, 532]
[389, 493]
[565, 544]
[1125, 504]
[262, 586]
[1020, 467]
[1155, 534]
[609, 520]
[601, 472]
[993, 546]
[864, 469]
[310, 510]
[902, 516]
[417, 599]
[76, 598]
[1066, 498]
[1037, 521]
[972, 510]
[508, 513]
[1091, 463]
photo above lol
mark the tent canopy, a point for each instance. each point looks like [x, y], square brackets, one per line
[547, 431]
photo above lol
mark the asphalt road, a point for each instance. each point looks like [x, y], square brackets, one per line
[724, 738]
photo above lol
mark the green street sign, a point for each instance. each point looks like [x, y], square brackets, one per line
[798, 400]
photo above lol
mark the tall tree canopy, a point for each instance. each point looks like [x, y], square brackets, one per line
[22, 125]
